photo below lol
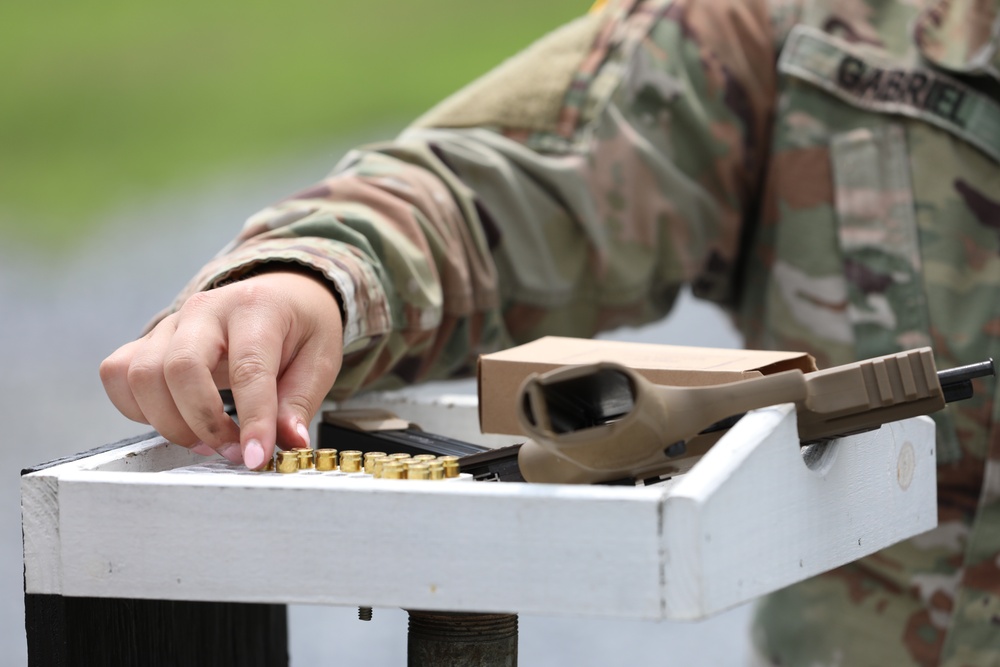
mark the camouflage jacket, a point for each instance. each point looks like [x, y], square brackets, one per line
[827, 171]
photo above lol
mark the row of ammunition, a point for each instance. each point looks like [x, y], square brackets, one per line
[377, 464]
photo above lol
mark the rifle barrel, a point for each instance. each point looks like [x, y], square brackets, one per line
[956, 383]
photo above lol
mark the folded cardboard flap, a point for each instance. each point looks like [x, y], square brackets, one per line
[366, 419]
[501, 374]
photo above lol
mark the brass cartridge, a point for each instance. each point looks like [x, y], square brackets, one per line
[436, 470]
[418, 470]
[350, 461]
[288, 461]
[451, 466]
[393, 470]
[326, 459]
[306, 460]
[399, 456]
[378, 465]
[424, 457]
[370, 461]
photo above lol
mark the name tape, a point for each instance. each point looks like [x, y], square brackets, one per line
[867, 81]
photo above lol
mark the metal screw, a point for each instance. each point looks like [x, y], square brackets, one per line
[364, 613]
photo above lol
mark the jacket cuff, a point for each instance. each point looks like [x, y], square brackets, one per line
[350, 275]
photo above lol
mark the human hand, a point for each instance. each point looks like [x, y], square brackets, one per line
[276, 340]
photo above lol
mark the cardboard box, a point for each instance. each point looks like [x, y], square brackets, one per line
[501, 374]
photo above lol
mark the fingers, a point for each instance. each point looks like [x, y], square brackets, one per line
[276, 340]
[114, 372]
[197, 347]
[302, 388]
[279, 384]
[255, 348]
[164, 379]
[149, 387]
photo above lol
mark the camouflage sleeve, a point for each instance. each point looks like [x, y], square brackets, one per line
[572, 189]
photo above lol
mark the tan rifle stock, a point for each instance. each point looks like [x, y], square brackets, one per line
[603, 422]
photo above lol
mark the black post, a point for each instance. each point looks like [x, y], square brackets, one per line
[451, 639]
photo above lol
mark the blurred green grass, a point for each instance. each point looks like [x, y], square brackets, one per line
[117, 99]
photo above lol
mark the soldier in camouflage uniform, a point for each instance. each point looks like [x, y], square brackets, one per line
[827, 171]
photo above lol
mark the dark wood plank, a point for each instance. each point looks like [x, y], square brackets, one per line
[108, 632]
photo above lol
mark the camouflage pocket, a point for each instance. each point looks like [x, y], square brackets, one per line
[880, 246]
[877, 231]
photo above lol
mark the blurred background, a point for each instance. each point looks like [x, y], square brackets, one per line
[134, 140]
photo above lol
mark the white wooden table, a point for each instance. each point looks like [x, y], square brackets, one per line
[754, 515]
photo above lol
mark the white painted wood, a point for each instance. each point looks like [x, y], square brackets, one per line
[40, 503]
[126, 524]
[752, 517]
[40, 528]
[310, 539]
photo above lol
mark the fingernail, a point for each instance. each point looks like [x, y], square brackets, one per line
[232, 452]
[203, 449]
[253, 455]
[303, 432]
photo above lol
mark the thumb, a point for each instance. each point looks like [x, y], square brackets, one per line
[301, 389]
